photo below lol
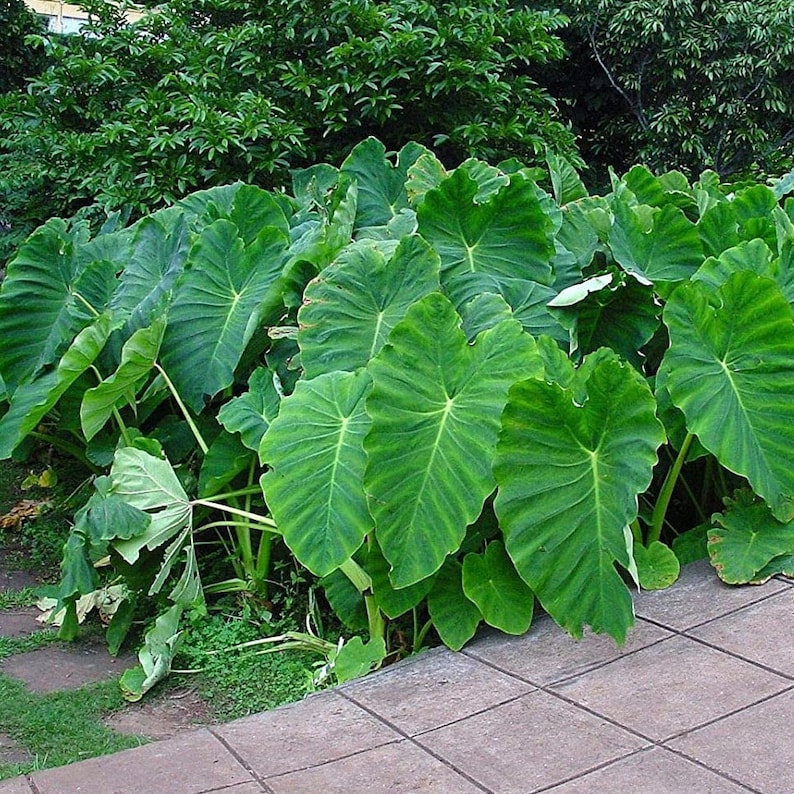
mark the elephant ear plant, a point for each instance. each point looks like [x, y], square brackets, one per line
[448, 395]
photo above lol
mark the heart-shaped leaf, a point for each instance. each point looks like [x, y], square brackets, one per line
[316, 459]
[569, 472]
[455, 617]
[730, 370]
[491, 581]
[435, 409]
[225, 285]
[509, 235]
[657, 565]
[745, 538]
[351, 307]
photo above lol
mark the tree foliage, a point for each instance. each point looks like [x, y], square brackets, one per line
[204, 93]
[686, 84]
[18, 58]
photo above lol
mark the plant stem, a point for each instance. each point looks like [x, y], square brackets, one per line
[268, 522]
[663, 502]
[376, 622]
[420, 638]
[253, 490]
[122, 427]
[183, 408]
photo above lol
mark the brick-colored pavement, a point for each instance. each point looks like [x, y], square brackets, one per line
[699, 701]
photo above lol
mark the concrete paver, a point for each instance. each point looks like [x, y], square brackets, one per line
[652, 771]
[433, 690]
[59, 667]
[322, 728]
[747, 632]
[394, 768]
[698, 596]
[753, 746]
[15, 786]
[701, 699]
[19, 622]
[671, 687]
[191, 764]
[529, 743]
[548, 653]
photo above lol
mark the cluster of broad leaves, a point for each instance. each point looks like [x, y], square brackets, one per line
[454, 387]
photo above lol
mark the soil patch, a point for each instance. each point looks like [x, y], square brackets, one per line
[60, 667]
[162, 717]
[19, 622]
[11, 752]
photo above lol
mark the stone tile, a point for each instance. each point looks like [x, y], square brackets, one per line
[321, 728]
[401, 767]
[698, 596]
[755, 632]
[189, 764]
[58, 667]
[433, 689]
[671, 687]
[548, 653]
[753, 746]
[17, 785]
[529, 743]
[245, 788]
[19, 622]
[652, 771]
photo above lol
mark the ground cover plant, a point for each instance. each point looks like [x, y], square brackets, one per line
[445, 394]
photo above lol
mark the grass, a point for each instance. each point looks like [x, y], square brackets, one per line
[64, 727]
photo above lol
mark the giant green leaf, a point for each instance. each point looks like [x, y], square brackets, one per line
[569, 472]
[150, 484]
[157, 258]
[621, 314]
[435, 410]
[527, 299]
[35, 398]
[381, 184]
[351, 307]
[745, 538]
[216, 307]
[316, 458]
[455, 617]
[37, 318]
[670, 251]
[225, 459]
[251, 413]
[730, 370]
[753, 255]
[509, 235]
[254, 209]
[137, 359]
[391, 602]
[491, 582]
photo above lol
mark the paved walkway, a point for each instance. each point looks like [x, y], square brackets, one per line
[699, 701]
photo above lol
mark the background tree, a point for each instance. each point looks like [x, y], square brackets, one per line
[18, 59]
[204, 92]
[687, 84]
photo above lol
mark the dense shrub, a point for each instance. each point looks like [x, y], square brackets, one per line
[683, 84]
[203, 93]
